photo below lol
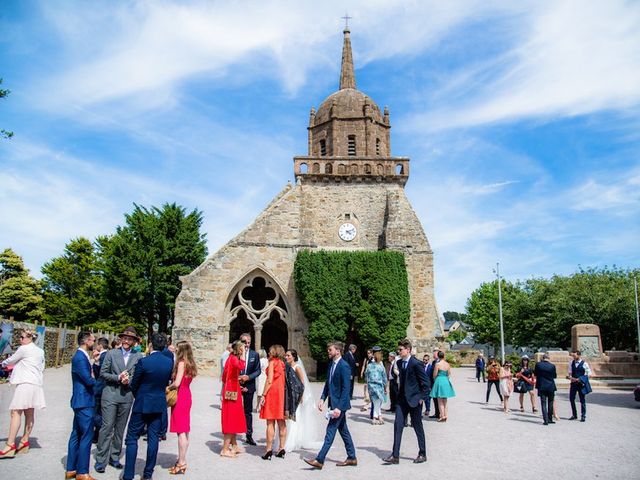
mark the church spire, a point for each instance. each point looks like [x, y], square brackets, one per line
[347, 74]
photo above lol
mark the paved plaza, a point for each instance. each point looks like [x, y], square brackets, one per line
[478, 441]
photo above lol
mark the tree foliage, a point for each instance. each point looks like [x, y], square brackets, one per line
[73, 286]
[540, 312]
[19, 292]
[348, 295]
[143, 260]
[3, 94]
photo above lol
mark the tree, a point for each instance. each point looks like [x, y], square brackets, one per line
[144, 259]
[3, 94]
[19, 292]
[73, 286]
[457, 335]
[455, 316]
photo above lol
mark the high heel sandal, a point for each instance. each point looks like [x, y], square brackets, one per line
[268, 455]
[228, 453]
[10, 452]
[23, 447]
[281, 453]
[178, 469]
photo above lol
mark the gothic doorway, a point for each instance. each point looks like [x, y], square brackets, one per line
[257, 306]
[274, 332]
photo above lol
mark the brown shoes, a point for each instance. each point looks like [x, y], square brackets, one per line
[84, 476]
[392, 460]
[69, 475]
[349, 462]
[314, 463]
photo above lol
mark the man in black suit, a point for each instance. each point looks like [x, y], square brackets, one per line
[413, 387]
[393, 382]
[248, 381]
[433, 367]
[350, 358]
[545, 372]
[149, 383]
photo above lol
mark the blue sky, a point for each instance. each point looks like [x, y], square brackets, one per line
[521, 119]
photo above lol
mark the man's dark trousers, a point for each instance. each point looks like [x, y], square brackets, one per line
[546, 402]
[402, 411]
[337, 425]
[575, 388]
[247, 400]
[80, 440]
[152, 423]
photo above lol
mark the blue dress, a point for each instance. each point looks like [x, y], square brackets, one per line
[442, 386]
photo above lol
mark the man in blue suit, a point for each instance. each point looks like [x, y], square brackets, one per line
[545, 373]
[100, 351]
[248, 381]
[412, 389]
[82, 403]
[150, 380]
[337, 390]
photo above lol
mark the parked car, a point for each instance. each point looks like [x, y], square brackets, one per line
[636, 393]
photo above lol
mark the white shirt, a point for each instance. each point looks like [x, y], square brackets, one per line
[28, 364]
[85, 353]
[125, 356]
[587, 369]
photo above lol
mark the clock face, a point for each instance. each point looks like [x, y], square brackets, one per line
[347, 232]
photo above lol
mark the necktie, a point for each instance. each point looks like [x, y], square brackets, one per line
[404, 364]
[333, 367]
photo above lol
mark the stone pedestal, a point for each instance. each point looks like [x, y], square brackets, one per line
[586, 338]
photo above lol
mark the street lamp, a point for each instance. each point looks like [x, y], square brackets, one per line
[500, 311]
[635, 286]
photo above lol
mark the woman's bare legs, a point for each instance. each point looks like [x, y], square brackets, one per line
[14, 425]
[271, 433]
[282, 433]
[29, 419]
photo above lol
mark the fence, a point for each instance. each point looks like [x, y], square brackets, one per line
[59, 343]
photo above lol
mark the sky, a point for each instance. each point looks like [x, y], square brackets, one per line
[521, 119]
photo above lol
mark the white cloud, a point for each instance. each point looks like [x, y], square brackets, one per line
[623, 195]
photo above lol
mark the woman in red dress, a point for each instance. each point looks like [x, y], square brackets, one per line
[233, 421]
[272, 403]
[184, 370]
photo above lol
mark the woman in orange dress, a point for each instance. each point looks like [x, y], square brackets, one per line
[272, 403]
[233, 421]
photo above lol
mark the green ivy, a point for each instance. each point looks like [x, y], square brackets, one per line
[362, 292]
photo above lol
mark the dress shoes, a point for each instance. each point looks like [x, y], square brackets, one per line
[392, 460]
[583, 419]
[314, 463]
[545, 423]
[433, 416]
[100, 467]
[70, 474]
[249, 440]
[84, 476]
[116, 465]
[551, 421]
[420, 459]
[573, 417]
[349, 462]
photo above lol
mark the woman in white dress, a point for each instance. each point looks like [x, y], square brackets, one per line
[305, 431]
[262, 379]
[28, 366]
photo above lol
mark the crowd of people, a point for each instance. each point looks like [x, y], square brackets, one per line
[120, 388]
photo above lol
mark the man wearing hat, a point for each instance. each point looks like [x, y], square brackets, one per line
[117, 369]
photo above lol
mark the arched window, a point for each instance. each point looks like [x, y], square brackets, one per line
[379, 169]
[399, 169]
[328, 168]
[352, 145]
[323, 148]
[342, 169]
[354, 168]
[377, 146]
[367, 169]
[303, 168]
[315, 168]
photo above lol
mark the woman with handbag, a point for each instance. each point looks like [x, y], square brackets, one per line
[526, 380]
[506, 385]
[26, 377]
[272, 402]
[233, 419]
[376, 377]
[184, 370]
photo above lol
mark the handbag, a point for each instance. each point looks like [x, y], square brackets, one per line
[520, 386]
[172, 397]
[231, 395]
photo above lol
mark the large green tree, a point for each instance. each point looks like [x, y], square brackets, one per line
[355, 296]
[73, 285]
[144, 259]
[19, 292]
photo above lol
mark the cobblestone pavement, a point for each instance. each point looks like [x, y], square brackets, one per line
[478, 441]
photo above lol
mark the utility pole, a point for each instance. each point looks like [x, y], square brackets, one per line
[500, 311]
[635, 285]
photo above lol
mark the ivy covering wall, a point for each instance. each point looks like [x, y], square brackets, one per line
[353, 294]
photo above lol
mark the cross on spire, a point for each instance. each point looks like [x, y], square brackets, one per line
[346, 20]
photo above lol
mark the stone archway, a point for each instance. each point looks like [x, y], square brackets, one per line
[257, 305]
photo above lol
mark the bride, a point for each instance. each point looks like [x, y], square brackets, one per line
[305, 431]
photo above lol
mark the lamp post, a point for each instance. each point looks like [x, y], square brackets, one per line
[635, 287]
[500, 312]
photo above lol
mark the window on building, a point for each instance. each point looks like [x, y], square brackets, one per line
[315, 168]
[377, 146]
[352, 145]
[303, 168]
[323, 148]
[367, 169]
[399, 169]
[328, 168]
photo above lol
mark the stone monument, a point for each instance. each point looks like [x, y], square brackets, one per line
[586, 338]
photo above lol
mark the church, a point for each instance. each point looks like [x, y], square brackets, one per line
[348, 195]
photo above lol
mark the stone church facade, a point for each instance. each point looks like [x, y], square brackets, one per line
[349, 195]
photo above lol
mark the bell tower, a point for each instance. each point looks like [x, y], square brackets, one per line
[349, 137]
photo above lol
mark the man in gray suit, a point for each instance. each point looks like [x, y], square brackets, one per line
[117, 369]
